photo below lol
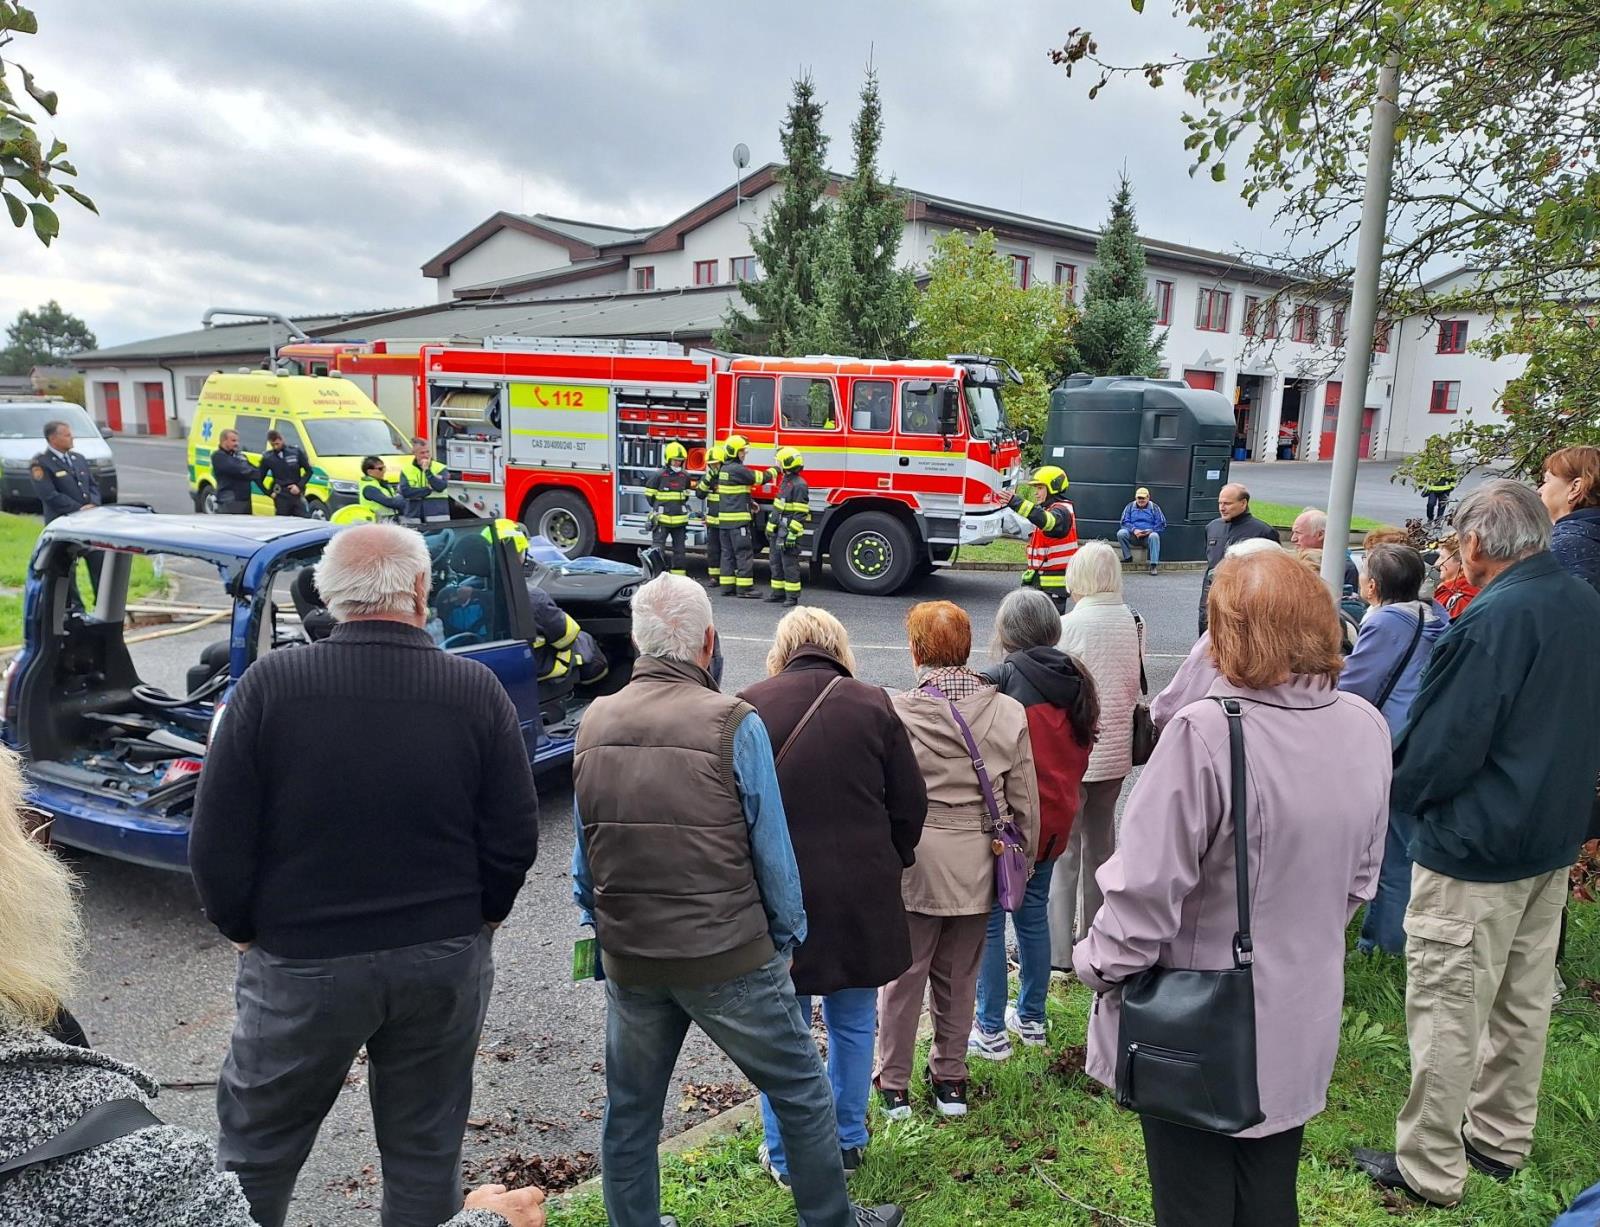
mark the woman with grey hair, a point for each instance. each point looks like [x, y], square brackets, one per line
[1108, 637]
[1063, 715]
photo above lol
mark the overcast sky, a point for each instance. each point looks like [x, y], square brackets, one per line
[304, 156]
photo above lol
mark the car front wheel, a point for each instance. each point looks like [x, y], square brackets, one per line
[205, 500]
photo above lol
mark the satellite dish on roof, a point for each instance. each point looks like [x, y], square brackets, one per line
[741, 155]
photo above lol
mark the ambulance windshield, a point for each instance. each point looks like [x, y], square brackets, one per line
[987, 418]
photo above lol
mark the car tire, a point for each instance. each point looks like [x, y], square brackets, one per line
[565, 519]
[873, 554]
[316, 509]
[205, 499]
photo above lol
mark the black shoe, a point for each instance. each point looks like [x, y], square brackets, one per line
[896, 1104]
[792, 599]
[878, 1216]
[775, 597]
[949, 1097]
[749, 594]
[1492, 1168]
[850, 1156]
[728, 590]
[1152, 568]
[1384, 1171]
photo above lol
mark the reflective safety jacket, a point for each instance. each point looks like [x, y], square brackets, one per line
[425, 490]
[558, 631]
[381, 498]
[1055, 537]
[792, 512]
[667, 491]
[735, 481]
[706, 488]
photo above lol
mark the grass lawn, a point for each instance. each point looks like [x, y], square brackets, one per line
[1006, 549]
[17, 537]
[1038, 1122]
[1281, 515]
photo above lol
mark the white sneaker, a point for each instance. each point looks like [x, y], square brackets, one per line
[765, 1159]
[1030, 1033]
[990, 1045]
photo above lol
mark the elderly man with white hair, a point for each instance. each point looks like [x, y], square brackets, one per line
[1497, 764]
[359, 862]
[1310, 532]
[683, 866]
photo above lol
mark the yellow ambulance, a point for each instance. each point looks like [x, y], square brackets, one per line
[330, 418]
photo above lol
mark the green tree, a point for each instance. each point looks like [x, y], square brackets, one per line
[45, 337]
[1116, 335]
[782, 302]
[865, 300]
[972, 305]
[25, 166]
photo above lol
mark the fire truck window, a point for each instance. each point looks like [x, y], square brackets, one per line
[919, 412]
[754, 407]
[808, 404]
[871, 404]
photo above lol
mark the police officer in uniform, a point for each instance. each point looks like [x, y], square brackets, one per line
[376, 493]
[667, 490]
[790, 519]
[283, 473]
[735, 481]
[1055, 533]
[706, 488]
[424, 483]
[233, 473]
[63, 483]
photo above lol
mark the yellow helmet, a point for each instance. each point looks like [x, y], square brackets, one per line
[715, 454]
[356, 513]
[789, 459]
[733, 445]
[508, 530]
[674, 451]
[1052, 477]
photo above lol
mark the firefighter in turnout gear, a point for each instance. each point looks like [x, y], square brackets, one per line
[735, 481]
[1055, 533]
[667, 490]
[561, 645]
[706, 488]
[790, 519]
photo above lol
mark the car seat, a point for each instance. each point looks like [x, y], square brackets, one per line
[315, 619]
[213, 658]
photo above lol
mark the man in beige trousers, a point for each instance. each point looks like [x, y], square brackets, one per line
[1498, 763]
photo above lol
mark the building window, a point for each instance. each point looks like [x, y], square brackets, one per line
[1260, 318]
[1161, 295]
[1067, 281]
[1380, 336]
[1446, 396]
[1336, 329]
[1452, 336]
[705, 272]
[1307, 320]
[193, 385]
[645, 278]
[1020, 266]
[1212, 309]
[742, 268]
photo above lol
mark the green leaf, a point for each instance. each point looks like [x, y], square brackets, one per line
[11, 128]
[46, 98]
[19, 212]
[45, 222]
[57, 148]
[24, 22]
[1219, 171]
[1138, 5]
[80, 198]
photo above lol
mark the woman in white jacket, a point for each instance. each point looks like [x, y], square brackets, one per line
[1107, 636]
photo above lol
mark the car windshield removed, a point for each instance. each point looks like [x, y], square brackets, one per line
[355, 437]
[27, 421]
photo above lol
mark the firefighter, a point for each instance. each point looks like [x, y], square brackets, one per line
[561, 646]
[791, 517]
[735, 482]
[1055, 533]
[706, 488]
[376, 493]
[667, 490]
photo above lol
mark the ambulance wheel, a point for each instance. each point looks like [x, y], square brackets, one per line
[873, 554]
[564, 518]
[316, 509]
[205, 500]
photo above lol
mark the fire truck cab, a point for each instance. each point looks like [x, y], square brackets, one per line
[906, 460]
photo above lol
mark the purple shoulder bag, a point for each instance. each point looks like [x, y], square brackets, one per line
[1011, 868]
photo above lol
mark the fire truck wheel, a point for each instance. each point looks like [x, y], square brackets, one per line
[563, 517]
[873, 553]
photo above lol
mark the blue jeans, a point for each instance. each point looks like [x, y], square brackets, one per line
[1032, 923]
[753, 1018]
[1383, 927]
[851, 1016]
[1127, 540]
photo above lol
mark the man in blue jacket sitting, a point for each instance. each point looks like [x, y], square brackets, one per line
[1142, 524]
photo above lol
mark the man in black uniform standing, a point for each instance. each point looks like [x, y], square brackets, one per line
[284, 472]
[234, 474]
[64, 483]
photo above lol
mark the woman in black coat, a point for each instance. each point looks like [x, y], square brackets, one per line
[855, 802]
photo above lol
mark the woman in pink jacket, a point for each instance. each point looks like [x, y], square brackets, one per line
[1318, 767]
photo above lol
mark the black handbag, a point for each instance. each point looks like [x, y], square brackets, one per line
[1145, 732]
[1186, 1051]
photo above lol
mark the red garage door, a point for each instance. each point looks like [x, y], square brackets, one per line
[1201, 379]
[1330, 421]
[111, 400]
[155, 408]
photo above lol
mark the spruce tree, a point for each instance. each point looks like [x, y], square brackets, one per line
[1116, 334]
[866, 301]
[780, 306]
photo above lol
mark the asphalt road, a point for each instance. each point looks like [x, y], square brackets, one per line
[153, 471]
[1305, 484]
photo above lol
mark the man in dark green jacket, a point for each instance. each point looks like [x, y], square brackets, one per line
[1497, 762]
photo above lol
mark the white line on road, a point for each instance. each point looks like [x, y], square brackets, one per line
[141, 468]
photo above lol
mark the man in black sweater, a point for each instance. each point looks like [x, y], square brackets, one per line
[1234, 524]
[234, 474]
[359, 865]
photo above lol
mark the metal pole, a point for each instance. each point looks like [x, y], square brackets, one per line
[1363, 322]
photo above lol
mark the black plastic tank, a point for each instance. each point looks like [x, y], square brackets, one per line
[1115, 433]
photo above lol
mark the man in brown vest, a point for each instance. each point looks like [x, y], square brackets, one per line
[695, 900]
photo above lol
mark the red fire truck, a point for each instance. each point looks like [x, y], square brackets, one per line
[905, 459]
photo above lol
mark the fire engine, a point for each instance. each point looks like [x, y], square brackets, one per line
[906, 460]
